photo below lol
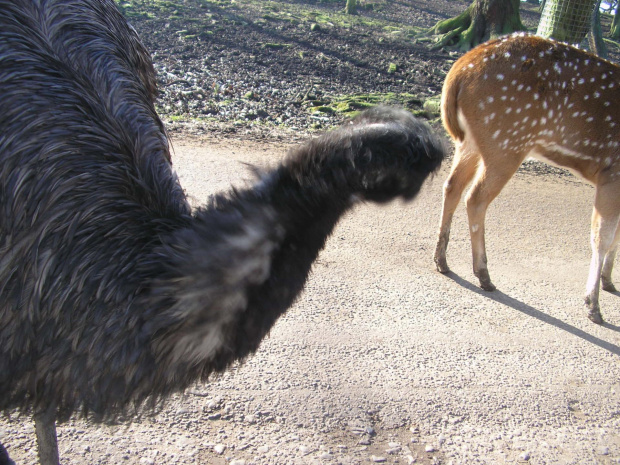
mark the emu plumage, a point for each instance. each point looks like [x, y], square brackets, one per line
[112, 291]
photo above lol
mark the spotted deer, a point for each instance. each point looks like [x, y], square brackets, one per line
[523, 96]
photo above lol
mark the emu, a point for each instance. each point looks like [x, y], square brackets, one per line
[113, 293]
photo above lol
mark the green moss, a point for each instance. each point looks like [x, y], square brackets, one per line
[276, 46]
[323, 109]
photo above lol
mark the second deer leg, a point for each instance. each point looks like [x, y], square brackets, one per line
[488, 184]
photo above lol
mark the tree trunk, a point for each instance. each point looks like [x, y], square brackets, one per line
[482, 20]
[351, 7]
[566, 20]
[595, 36]
[614, 33]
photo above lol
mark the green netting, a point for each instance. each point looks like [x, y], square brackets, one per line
[566, 20]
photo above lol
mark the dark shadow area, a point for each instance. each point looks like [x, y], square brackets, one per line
[500, 297]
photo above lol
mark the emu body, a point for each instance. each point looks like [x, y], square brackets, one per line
[523, 96]
[113, 293]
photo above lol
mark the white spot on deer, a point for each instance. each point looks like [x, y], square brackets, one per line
[518, 110]
[544, 104]
[520, 87]
[492, 115]
[611, 85]
[500, 77]
[536, 96]
[557, 68]
[550, 114]
[507, 54]
[525, 119]
[475, 228]
[589, 119]
[608, 118]
[470, 66]
[606, 104]
[508, 110]
[504, 98]
[576, 114]
[490, 99]
[528, 106]
[543, 120]
[496, 134]
[581, 81]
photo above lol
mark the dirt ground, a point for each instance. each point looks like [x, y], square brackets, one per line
[384, 360]
[258, 69]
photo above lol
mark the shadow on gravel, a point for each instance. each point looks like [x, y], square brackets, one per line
[500, 297]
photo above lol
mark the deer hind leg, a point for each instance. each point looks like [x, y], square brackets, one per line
[608, 265]
[603, 240]
[463, 170]
[489, 182]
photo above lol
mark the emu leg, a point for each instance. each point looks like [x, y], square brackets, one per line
[45, 426]
[4, 457]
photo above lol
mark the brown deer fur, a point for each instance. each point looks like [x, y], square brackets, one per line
[524, 96]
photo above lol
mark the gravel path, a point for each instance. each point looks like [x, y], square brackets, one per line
[384, 360]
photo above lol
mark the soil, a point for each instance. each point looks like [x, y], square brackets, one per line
[382, 359]
[249, 69]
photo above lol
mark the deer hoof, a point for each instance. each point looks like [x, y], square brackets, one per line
[593, 311]
[595, 317]
[485, 280]
[607, 285]
[442, 265]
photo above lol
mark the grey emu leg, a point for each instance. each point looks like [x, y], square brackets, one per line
[4, 457]
[45, 425]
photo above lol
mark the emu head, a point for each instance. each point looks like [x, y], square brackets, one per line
[398, 154]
